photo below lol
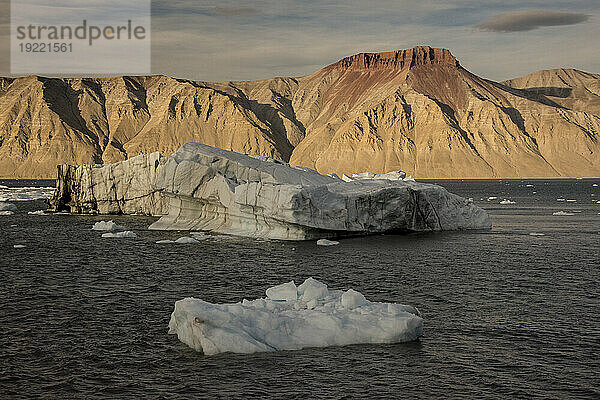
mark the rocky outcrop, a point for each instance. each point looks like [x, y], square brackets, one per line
[415, 110]
[396, 60]
[205, 188]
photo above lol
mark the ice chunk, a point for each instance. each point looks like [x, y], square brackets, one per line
[561, 199]
[492, 198]
[506, 201]
[186, 240]
[392, 176]
[19, 246]
[563, 213]
[325, 242]
[125, 234]
[283, 292]
[5, 213]
[7, 206]
[342, 318]
[352, 299]
[536, 234]
[38, 212]
[311, 290]
[571, 201]
[528, 185]
[107, 226]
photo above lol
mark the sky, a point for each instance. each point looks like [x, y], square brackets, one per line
[256, 39]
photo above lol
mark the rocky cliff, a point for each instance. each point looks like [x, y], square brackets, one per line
[417, 110]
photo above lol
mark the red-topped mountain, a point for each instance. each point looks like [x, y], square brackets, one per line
[417, 110]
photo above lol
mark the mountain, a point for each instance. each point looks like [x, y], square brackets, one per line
[417, 110]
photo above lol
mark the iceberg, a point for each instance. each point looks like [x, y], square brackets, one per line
[563, 213]
[125, 234]
[202, 188]
[325, 242]
[181, 240]
[107, 226]
[38, 212]
[7, 206]
[291, 318]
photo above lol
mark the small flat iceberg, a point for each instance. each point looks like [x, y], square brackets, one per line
[125, 234]
[107, 226]
[38, 212]
[507, 201]
[292, 318]
[181, 240]
[563, 213]
[325, 242]
[7, 206]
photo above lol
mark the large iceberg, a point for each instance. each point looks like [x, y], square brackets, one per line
[208, 189]
[292, 318]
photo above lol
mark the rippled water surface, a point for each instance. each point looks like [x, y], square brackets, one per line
[507, 314]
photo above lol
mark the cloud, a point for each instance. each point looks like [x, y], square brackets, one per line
[530, 19]
[234, 11]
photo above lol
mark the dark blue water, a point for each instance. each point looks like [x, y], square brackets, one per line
[507, 315]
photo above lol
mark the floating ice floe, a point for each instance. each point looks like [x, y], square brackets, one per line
[571, 201]
[6, 213]
[125, 234]
[537, 234]
[563, 213]
[292, 318]
[107, 226]
[528, 185]
[19, 246]
[4, 206]
[595, 185]
[181, 240]
[561, 199]
[507, 201]
[492, 198]
[38, 212]
[325, 242]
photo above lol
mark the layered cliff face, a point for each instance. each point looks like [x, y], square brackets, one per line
[417, 110]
